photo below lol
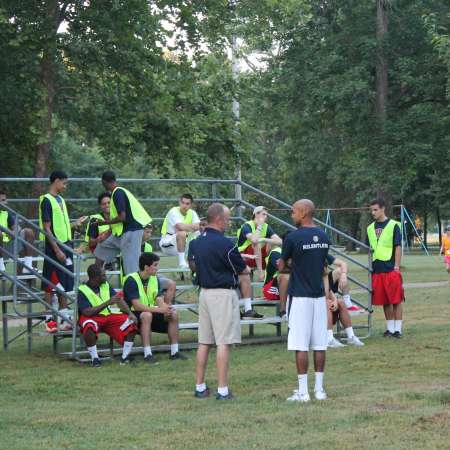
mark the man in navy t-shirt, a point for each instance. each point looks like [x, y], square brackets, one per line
[307, 248]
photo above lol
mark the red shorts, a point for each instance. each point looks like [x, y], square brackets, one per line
[252, 262]
[107, 324]
[447, 259]
[270, 290]
[387, 288]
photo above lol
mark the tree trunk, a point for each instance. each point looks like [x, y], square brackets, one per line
[425, 229]
[382, 64]
[48, 83]
[439, 224]
[354, 228]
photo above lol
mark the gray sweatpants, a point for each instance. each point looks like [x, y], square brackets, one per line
[129, 245]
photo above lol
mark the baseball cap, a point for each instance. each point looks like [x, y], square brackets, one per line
[259, 209]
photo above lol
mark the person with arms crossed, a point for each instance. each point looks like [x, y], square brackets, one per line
[180, 225]
[385, 240]
[307, 248]
[102, 310]
[127, 219]
[219, 270]
[144, 293]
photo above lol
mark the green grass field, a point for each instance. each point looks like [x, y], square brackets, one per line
[388, 394]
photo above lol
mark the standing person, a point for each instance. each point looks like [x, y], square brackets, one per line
[127, 219]
[54, 219]
[7, 221]
[307, 248]
[96, 233]
[252, 238]
[445, 248]
[181, 224]
[385, 240]
[218, 267]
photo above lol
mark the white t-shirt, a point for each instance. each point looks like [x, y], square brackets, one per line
[175, 217]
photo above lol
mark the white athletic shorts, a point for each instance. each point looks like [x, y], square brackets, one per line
[307, 320]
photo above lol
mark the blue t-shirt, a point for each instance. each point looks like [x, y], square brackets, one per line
[122, 204]
[386, 266]
[217, 260]
[246, 229]
[83, 301]
[308, 249]
[131, 290]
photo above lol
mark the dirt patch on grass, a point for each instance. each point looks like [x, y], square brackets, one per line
[440, 418]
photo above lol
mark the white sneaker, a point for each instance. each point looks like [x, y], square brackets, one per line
[334, 343]
[320, 395]
[184, 265]
[355, 341]
[297, 397]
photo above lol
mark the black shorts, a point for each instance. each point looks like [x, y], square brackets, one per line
[334, 287]
[55, 274]
[159, 323]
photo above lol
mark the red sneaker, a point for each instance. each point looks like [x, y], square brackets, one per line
[51, 326]
[354, 308]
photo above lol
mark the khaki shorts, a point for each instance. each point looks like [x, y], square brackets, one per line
[219, 317]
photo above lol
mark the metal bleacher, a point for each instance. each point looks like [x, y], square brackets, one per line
[21, 297]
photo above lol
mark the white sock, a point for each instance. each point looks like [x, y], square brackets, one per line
[147, 351]
[2, 264]
[391, 325]
[349, 332]
[398, 325]
[330, 334]
[303, 383]
[181, 260]
[247, 304]
[127, 346]
[200, 387]
[347, 300]
[319, 381]
[93, 351]
[173, 349]
[223, 390]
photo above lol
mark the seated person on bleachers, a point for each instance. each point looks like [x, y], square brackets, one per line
[252, 238]
[338, 281]
[144, 293]
[7, 221]
[274, 281]
[338, 311]
[101, 310]
[180, 225]
[96, 233]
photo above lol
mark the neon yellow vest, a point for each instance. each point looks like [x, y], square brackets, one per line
[275, 249]
[147, 298]
[187, 219]
[4, 224]
[147, 248]
[97, 299]
[252, 224]
[383, 246]
[137, 210]
[101, 228]
[60, 219]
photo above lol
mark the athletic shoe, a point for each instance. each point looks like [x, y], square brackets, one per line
[354, 308]
[126, 361]
[297, 397]
[202, 394]
[397, 335]
[230, 396]
[251, 314]
[150, 359]
[387, 333]
[51, 326]
[184, 265]
[179, 356]
[355, 341]
[334, 343]
[320, 395]
[96, 363]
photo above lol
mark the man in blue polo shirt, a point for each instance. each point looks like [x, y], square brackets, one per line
[307, 248]
[220, 269]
